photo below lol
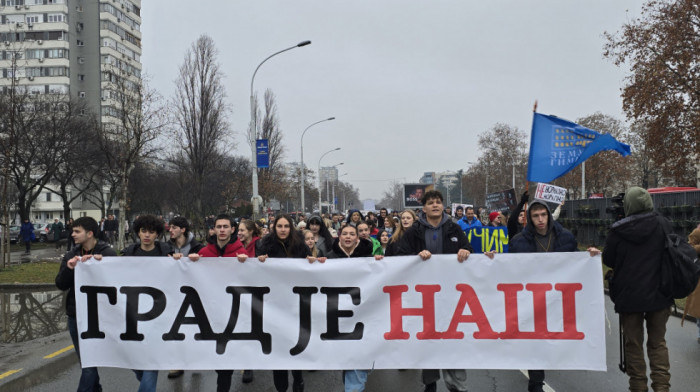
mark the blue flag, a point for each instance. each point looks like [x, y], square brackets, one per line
[557, 146]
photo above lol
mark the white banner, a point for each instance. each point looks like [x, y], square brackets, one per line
[518, 311]
[550, 193]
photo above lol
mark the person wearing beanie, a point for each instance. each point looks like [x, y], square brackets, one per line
[635, 249]
[496, 219]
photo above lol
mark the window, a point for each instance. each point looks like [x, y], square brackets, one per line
[48, 196]
[81, 43]
[81, 77]
[81, 60]
[53, 18]
[82, 94]
[33, 19]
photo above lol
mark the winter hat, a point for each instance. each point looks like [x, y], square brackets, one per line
[493, 216]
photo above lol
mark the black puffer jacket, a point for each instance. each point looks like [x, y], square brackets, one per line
[413, 240]
[634, 250]
[65, 280]
[272, 247]
[363, 249]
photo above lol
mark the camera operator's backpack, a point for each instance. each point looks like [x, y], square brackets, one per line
[680, 269]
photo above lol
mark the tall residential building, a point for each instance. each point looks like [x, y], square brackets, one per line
[90, 49]
[81, 47]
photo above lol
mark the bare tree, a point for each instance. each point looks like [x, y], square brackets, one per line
[271, 178]
[606, 172]
[138, 118]
[201, 116]
[662, 48]
[80, 164]
[393, 196]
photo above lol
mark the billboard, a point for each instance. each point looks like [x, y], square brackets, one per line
[413, 193]
[501, 201]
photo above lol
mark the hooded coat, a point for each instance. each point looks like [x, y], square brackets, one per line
[634, 250]
[191, 246]
[446, 238]
[526, 241]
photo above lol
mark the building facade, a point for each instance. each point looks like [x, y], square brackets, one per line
[88, 49]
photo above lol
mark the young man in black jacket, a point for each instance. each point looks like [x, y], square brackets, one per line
[436, 233]
[85, 230]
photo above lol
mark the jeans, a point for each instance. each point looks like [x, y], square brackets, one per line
[89, 378]
[633, 328]
[355, 380]
[148, 380]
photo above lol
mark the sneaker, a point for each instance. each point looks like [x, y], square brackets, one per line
[175, 373]
[432, 387]
[247, 377]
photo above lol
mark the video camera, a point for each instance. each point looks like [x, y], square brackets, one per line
[617, 210]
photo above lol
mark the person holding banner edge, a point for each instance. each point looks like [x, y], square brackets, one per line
[85, 230]
[543, 234]
[435, 233]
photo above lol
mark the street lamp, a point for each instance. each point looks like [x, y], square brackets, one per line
[327, 194]
[254, 132]
[336, 180]
[303, 209]
[320, 209]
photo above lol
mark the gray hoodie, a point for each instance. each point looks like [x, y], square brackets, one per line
[433, 235]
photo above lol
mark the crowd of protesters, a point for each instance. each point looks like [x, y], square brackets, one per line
[531, 227]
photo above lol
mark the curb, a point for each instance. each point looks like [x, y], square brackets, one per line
[25, 356]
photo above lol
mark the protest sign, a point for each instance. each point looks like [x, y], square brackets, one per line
[550, 193]
[501, 201]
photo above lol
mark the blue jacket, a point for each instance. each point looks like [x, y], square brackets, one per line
[466, 226]
[27, 231]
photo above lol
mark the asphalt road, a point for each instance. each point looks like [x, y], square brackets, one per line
[682, 342]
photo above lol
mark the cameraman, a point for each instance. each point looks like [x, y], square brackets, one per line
[634, 250]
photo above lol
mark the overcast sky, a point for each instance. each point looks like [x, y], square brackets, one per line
[411, 83]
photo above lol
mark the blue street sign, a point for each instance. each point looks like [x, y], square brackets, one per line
[263, 153]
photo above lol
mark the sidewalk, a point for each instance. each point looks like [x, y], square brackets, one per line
[49, 253]
[24, 365]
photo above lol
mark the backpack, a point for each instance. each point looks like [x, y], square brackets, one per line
[680, 268]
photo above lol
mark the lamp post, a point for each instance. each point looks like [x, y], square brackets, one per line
[327, 190]
[336, 180]
[320, 208]
[303, 209]
[256, 199]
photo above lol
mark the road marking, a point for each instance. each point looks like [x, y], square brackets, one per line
[9, 373]
[59, 352]
[546, 387]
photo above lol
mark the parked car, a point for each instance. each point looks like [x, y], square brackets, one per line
[14, 234]
[41, 232]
